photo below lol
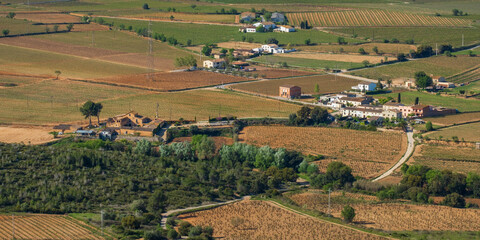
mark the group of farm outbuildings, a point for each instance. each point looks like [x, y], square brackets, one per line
[248, 17]
[357, 104]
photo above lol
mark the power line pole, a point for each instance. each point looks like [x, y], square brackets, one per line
[436, 49]
[156, 113]
[329, 191]
[101, 214]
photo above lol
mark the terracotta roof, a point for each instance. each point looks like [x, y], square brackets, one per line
[288, 86]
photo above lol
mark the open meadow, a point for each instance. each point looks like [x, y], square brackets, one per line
[469, 132]
[367, 153]
[373, 18]
[394, 216]
[307, 62]
[386, 48]
[438, 66]
[461, 104]
[420, 35]
[327, 84]
[18, 26]
[453, 157]
[46, 226]
[264, 220]
[454, 119]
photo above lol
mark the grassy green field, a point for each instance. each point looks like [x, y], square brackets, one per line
[429, 36]
[441, 65]
[306, 63]
[29, 61]
[327, 84]
[461, 104]
[16, 26]
[204, 33]
[468, 132]
[54, 101]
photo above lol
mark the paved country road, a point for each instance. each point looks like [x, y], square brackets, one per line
[410, 148]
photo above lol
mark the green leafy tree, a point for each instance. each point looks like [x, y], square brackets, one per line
[145, 6]
[362, 51]
[422, 80]
[401, 57]
[375, 49]
[58, 72]
[54, 134]
[379, 85]
[143, 147]
[348, 213]
[341, 41]
[454, 200]
[271, 41]
[130, 222]
[429, 126]
[172, 234]
[97, 109]
[184, 228]
[11, 15]
[399, 98]
[88, 110]
[156, 202]
[317, 88]
[417, 101]
[308, 41]
[70, 27]
[366, 63]
[5, 32]
[260, 29]
[55, 28]
[206, 50]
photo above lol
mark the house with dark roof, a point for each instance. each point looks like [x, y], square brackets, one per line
[247, 16]
[277, 17]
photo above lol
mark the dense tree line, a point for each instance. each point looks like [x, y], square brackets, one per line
[83, 176]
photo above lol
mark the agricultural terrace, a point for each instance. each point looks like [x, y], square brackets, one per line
[454, 119]
[55, 101]
[39, 62]
[367, 153]
[188, 17]
[423, 35]
[439, 66]
[17, 26]
[375, 18]
[264, 220]
[461, 104]
[43, 226]
[468, 132]
[395, 216]
[272, 60]
[453, 157]
[207, 33]
[354, 58]
[327, 84]
[469, 75]
[109, 47]
[166, 81]
[387, 48]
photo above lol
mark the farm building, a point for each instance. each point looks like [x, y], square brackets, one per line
[272, 48]
[437, 79]
[248, 29]
[277, 17]
[284, 28]
[247, 16]
[290, 91]
[446, 84]
[217, 63]
[134, 124]
[367, 111]
[365, 87]
[355, 101]
[392, 106]
[425, 111]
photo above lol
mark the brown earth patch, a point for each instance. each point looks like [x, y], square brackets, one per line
[334, 57]
[26, 135]
[173, 80]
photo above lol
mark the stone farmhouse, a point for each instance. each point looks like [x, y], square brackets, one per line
[132, 123]
[216, 63]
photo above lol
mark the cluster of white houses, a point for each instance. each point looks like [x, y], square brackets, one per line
[353, 105]
[267, 26]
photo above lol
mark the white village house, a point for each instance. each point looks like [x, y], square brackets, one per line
[217, 63]
[365, 87]
[272, 48]
[284, 28]
[266, 25]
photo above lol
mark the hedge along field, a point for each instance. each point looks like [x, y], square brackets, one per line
[441, 65]
[306, 62]
[17, 26]
[205, 33]
[461, 104]
[423, 35]
[372, 18]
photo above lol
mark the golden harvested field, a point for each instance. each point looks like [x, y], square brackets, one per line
[388, 48]
[396, 216]
[43, 226]
[173, 80]
[25, 135]
[328, 84]
[264, 220]
[217, 18]
[335, 57]
[445, 157]
[238, 45]
[468, 132]
[367, 153]
[372, 18]
[48, 17]
[454, 119]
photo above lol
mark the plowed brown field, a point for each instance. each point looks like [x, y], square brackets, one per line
[367, 153]
[43, 226]
[264, 220]
[397, 216]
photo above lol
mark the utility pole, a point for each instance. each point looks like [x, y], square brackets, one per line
[156, 113]
[436, 49]
[101, 214]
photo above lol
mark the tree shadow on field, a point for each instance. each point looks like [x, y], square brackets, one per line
[363, 222]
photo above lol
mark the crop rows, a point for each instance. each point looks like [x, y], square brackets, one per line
[469, 75]
[42, 226]
[376, 18]
[395, 216]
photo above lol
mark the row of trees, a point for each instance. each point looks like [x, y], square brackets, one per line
[308, 116]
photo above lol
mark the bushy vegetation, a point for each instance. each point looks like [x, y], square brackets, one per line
[86, 176]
